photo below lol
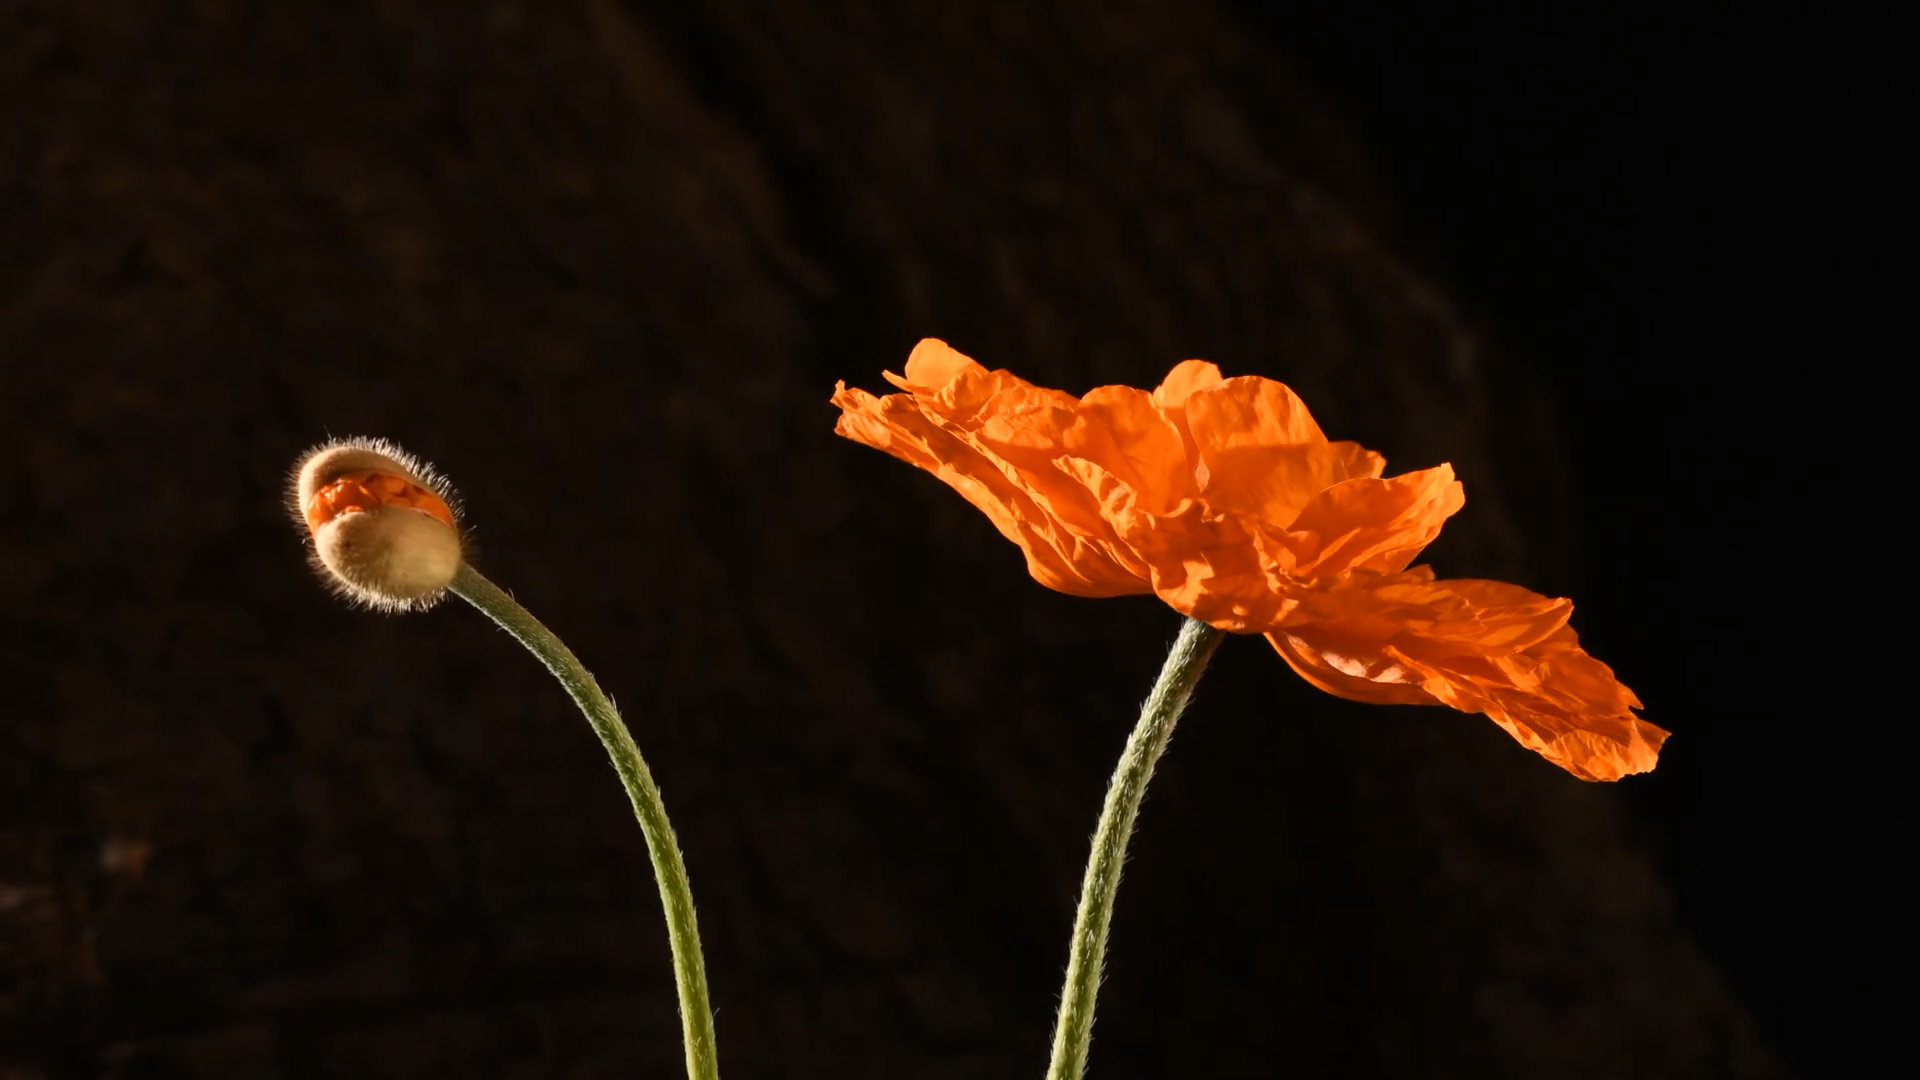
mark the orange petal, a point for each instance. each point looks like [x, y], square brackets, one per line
[1187, 491]
[908, 427]
[368, 489]
[933, 364]
[1205, 566]
[1180, 383]
[1120, 430]
[1261, 454]
[1027, 431]
[1090, 460]
[1478, 646]
[1369, 523]
[950, 383]
[1357, 673]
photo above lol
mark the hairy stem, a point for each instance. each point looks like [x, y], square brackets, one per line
[676, 896]
[1074, 1031]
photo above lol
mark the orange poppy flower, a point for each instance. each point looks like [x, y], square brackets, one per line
[1222, 497]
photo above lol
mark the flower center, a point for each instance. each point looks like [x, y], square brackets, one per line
[370, 489]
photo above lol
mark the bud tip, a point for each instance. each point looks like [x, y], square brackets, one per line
[383, 523]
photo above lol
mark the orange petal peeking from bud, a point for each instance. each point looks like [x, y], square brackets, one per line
[368, 489]
[384, 529]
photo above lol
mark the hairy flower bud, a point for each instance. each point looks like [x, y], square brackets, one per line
[384, 528]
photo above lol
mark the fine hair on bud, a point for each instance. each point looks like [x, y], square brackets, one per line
[384, 526]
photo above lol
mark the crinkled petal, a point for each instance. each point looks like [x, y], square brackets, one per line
[1169, 399]
[1358, 672]
[1029, 432]
[1206, 567]
[1186, 377]
[1368, 524]
[932, 365]
[1120, 430]
[1188, 491]
[952, 385]
[900, 425]
[1478, 646]
[1262, 455]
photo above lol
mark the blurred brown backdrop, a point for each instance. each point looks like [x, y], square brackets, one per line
[602, 262]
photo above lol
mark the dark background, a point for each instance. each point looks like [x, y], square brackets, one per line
[1638, 199]
[602, 263]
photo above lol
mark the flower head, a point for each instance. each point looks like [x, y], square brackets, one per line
[384, 526]
[1224, 498]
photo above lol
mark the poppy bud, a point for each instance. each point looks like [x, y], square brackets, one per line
[383, 523]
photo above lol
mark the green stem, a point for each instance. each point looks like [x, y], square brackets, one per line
[676, 896]
[1071, 1036]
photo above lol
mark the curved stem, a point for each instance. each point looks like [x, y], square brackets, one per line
[676, 896]
[1074, 1031]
